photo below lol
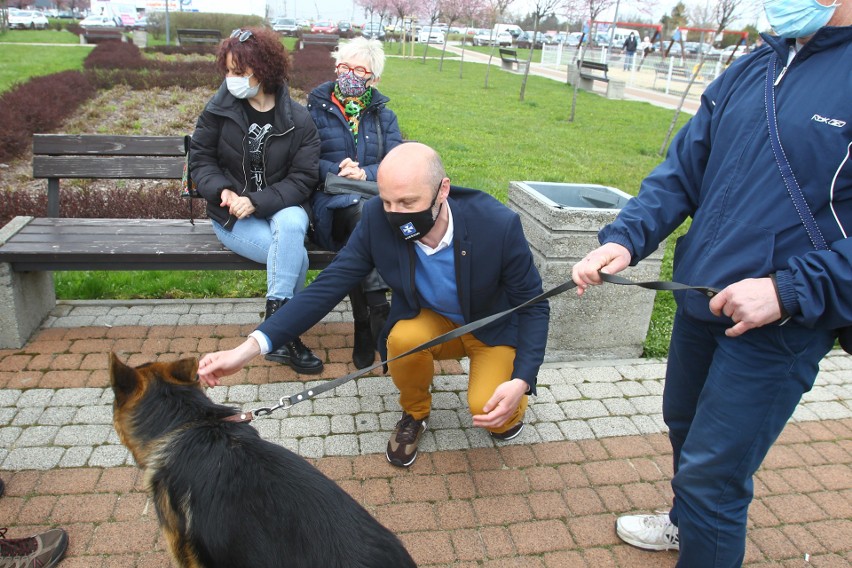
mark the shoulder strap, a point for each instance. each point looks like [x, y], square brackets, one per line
[784, 165]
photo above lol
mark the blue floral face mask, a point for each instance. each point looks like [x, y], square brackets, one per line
[797, 18]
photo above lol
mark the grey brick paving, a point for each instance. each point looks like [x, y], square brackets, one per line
[46, 428]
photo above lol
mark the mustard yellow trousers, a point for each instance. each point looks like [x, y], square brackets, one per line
[489, 365]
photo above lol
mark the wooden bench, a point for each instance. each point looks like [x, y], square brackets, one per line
[509, 60]
[325, 40]
[590, 71]
[96, 34]
[32, 247]
[198, 37]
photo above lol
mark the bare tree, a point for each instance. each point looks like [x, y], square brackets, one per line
[541, 9]
[451, 12]
[471, 12]
[726, 11]
[496, 9]
[431, 8]
[402, 9]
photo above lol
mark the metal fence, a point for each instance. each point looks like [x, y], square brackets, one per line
[669, 75]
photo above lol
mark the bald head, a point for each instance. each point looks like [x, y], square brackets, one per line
[411, 163]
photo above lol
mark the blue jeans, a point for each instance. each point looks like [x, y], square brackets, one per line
[278, 242]
[725, 402]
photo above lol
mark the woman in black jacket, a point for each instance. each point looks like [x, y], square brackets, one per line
[357, 130]
[254, 157]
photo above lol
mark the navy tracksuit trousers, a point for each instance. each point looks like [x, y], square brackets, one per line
[726, 400]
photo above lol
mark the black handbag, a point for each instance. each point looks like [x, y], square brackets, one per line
[844, 334]
[335, 184]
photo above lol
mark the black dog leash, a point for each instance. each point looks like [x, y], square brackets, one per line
[286, 402]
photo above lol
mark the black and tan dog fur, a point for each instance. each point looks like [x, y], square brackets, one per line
[227, 498]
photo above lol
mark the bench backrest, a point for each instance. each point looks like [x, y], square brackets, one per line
[329, 40]
[593, 65]
[107, 157]
[508, 53]
[57, 156]
[190, 36]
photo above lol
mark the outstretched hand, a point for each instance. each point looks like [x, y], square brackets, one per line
[214, 366]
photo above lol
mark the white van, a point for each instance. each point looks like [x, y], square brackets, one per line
[514, 30]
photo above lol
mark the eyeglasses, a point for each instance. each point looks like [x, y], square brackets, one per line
[242, 35]
[359, 71]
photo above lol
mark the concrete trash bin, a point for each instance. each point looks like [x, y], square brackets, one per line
[561, 222]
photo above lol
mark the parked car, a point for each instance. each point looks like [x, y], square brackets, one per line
[324, 27]
[373, 30]
[571, 39]
[27, 20]
[98, 22]
[426, 35]
[482, 37]
[488, 37]
[695, 47]
[344, 28]
[504, 39]
[740, 51]
[525, 40]
[285, 26]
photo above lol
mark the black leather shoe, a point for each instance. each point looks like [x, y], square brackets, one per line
[297, 356]
[364, 351]
[294, 354]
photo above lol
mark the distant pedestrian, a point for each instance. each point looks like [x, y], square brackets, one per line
[630, 45]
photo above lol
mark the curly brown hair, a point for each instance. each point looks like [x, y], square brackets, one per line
[263, 52]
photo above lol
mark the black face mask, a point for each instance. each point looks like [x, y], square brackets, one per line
[413, 226]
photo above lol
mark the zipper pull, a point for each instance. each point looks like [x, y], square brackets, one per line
[780, 76]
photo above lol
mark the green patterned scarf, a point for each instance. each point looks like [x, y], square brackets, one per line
[352, 107]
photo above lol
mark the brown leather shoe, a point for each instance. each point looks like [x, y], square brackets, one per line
[402, 446]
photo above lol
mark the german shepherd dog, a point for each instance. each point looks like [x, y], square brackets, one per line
[225, 498]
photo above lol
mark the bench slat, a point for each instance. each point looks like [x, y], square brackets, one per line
[108, 167]
[126, 244]
[74, 145]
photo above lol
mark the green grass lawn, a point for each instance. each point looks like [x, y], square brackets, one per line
[39, 36]
[487, 138]
[20, 62]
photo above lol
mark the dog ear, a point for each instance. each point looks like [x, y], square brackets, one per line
[185, 370]
[123, 379]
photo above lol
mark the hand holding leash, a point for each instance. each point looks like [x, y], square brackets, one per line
[609, 258]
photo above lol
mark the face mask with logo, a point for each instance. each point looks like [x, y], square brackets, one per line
[797, 18]
[241, 88]
[413, 226]
[351, 85]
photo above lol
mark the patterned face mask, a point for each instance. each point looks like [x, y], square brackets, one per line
[351, 85]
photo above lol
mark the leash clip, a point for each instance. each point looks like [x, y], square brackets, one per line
[283, 402]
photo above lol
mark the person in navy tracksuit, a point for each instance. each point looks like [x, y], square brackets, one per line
[739, 364]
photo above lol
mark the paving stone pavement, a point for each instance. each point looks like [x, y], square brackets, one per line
[595, 447]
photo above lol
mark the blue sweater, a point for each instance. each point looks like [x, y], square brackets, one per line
[720, 171]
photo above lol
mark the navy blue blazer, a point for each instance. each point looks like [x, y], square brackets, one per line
[494, 272]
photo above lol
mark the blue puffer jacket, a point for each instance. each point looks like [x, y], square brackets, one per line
[337, 143]
[721, 171]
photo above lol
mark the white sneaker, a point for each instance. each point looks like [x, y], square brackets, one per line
[651, 532]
